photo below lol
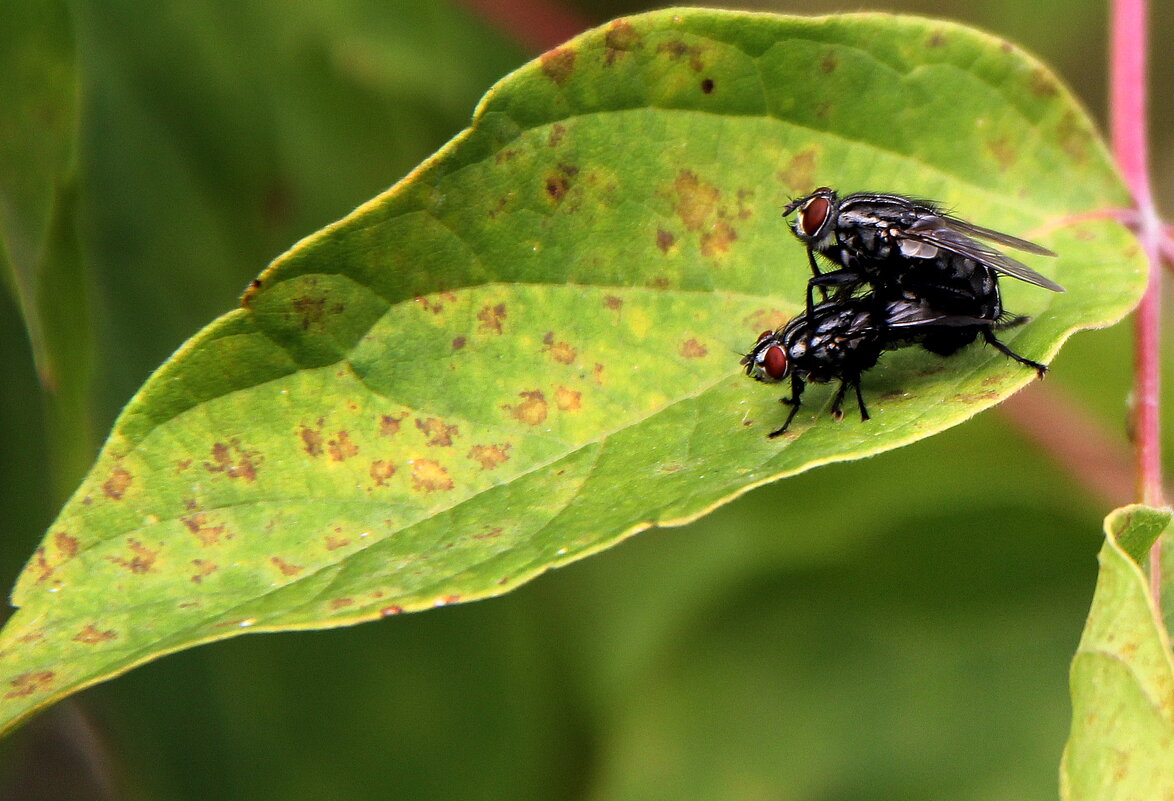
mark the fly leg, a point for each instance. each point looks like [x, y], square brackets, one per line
[860, 400]
[838, 401]
[797, 387]
[843, 281]
[991, 339]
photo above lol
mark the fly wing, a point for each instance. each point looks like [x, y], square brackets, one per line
[951, 234]
[913, 313]
[970, 229]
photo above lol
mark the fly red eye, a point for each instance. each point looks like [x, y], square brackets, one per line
[774, 362]
[764, 334]
[813, 215]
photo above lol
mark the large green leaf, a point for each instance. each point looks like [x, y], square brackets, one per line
[1122, 740]
[527, 350]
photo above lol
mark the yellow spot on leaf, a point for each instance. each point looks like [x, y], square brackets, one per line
[568, 400]
[532, 410]
[490, 456]
[429, 476]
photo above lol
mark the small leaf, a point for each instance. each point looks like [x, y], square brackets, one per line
[1122, 740]
[1136, 528]
[528, 349]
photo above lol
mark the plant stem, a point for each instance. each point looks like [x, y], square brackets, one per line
[1129, 133]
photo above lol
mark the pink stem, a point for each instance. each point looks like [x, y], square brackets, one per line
[1127, 100]
[537, 25]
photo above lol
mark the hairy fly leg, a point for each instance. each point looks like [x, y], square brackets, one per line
[991, 339]
[797, 387]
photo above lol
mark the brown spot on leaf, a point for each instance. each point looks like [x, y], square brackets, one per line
[558, 64]
[458, 343]
[336, 541]
[557, 132]
[140, 560]
[1003, 151]
[664, 240]
[561, 352]
[597, 373]
[204, 568]
[66, 545]
[829, 62]
[285, 567]
[621, 39]
[439, 434]
[1043, 85]
[799, 172]
[556, 186]
[341, 448]
[676, 50]
[90, 635]
[311, 439]
[504, 156]
[490, 457]
[28, 683]
[707, 86]
[692, 349]
[490, 532]
[116, 485]
[568, 400]
[388, 611]
[718, 239]
[381, 471]
[341, 603]
[430, 476]
[532, 409]
[311, 311]
[250, 292]
[41, 562]
[976, 397]
[491, 318]
[198, 524]
[233, 460]
[612, 302]
[389, 424]
[765, 319]
[183, 465]
[435, 303]
[695, 199]
[936, 39]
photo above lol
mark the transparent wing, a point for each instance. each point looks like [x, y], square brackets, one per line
[914, 313]
[953, 235]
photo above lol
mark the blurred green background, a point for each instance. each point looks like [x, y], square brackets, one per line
[894, 628]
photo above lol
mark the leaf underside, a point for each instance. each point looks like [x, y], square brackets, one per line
[528, 349]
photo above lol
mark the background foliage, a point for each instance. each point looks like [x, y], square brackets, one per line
[913, 644]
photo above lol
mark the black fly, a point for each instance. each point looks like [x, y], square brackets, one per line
[881, 239]
[903, 247]
[843, 338]
[903, 273]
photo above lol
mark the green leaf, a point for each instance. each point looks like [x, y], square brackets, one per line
[528, 349]
[1122, 740]
[1136, 528]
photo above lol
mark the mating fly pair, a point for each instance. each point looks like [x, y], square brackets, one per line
[904, 273]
